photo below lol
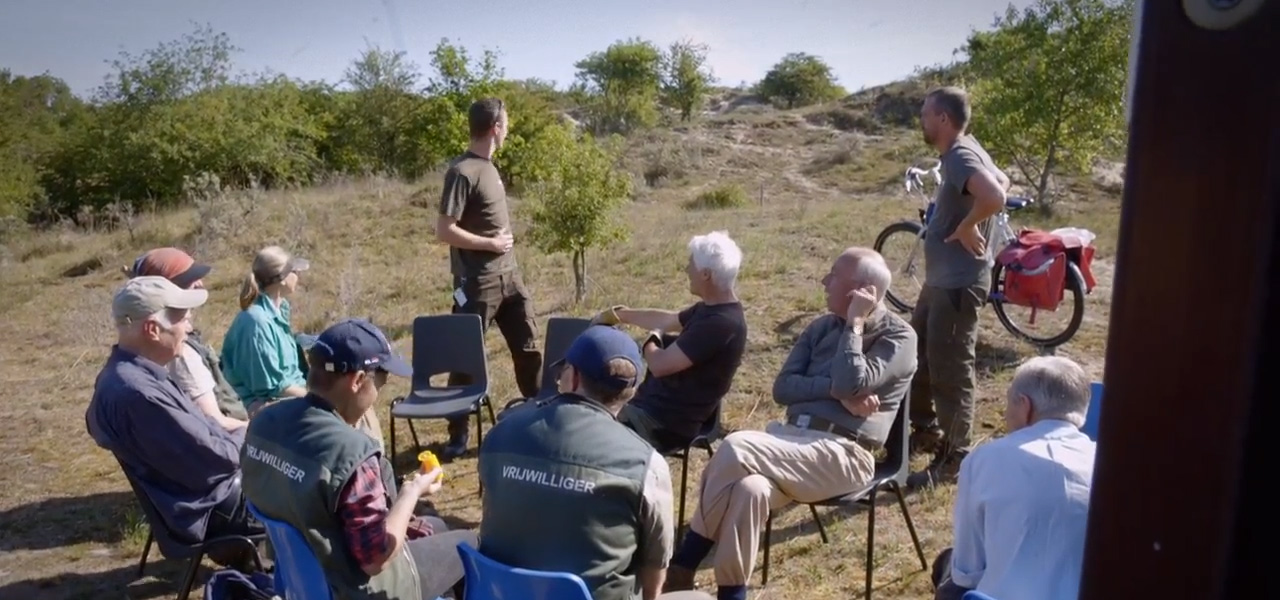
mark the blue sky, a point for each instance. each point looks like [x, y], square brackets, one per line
[867, 42]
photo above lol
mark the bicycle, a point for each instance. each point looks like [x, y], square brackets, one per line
[912, 233]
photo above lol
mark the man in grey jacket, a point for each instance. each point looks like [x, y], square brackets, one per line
[842, 385]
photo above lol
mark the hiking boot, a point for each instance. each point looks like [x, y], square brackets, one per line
[925, 440]
[456, 446]
[942, 470]
[679, 579]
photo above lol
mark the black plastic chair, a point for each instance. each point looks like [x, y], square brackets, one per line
[173, 548]
[711, 431]
[452, 343]
[561, 331]
[891, 473]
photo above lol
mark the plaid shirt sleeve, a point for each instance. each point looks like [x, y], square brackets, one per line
[363, 509]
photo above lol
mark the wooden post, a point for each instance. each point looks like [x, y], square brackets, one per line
[1192, 355]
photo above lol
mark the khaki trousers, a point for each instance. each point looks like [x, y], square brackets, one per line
[754, 472]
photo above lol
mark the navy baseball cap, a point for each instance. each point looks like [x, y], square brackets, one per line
[591, 352]
[357, 345]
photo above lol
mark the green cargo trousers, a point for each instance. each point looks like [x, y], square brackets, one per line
[946, 324]
[502, 298]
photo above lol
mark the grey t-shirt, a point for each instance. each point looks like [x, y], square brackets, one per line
[948, 264]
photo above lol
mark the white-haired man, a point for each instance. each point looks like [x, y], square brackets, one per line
[186, 463]
[688, 376]
[842, 386]
[1022, 501]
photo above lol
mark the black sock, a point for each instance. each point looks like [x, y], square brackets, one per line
[692, 551]
[732, 592]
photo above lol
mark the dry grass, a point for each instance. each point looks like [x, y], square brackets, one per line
[68, 528]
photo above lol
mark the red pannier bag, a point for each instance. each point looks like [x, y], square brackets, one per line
[1035, 268]
[1043, 287]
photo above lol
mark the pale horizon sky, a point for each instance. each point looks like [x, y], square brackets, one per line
[866, 42]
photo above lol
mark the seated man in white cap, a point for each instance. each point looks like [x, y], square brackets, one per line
[185, 462]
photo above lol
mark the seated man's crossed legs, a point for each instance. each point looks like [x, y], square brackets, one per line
[752, 473]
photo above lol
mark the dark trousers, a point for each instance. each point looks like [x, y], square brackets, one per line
[232, 517]
[944, 588]
[437, 560]
[946, 324]
[502, 298]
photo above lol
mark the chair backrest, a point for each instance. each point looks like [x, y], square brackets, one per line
[898, 445]
[488, 579]
[561, 331]
[448, 344]
[170, 547]
[299, 575]
[1090, 427]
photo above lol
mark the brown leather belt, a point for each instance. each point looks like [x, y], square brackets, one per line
[816, 423]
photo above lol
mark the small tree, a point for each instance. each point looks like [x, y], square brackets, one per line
[573, 209]
[1049, 85]
[686, 77]
[799, 79]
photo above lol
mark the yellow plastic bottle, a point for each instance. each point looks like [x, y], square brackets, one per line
[429, 462]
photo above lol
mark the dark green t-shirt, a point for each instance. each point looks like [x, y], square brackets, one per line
[474, 195]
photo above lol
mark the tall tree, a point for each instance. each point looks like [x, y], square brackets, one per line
[1048, 85]
[799, 79]
[686, 77]
[201, 60]
[620, 86]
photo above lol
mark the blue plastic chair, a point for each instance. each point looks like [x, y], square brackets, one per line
[976, 595]
[488, 579]
[1090, 427]
[298, 575]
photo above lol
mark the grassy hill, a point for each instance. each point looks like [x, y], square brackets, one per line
[800, 186]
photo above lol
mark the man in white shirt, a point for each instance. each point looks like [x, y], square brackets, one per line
[1022, 501]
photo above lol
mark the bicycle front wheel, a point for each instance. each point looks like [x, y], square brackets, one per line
[1042, 327]
[902, 246]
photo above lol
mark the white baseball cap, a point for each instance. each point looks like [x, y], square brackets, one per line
[144, 296]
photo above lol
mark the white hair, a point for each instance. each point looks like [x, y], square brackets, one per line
[870, 268]
[717, 253]
[1057, 387]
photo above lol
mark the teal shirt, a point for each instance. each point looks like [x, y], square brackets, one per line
[260, 354]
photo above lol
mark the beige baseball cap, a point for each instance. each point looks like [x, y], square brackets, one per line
[144, 296]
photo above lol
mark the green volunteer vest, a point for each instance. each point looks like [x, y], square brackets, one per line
[228, 402]
[297, 456]
[563, 487]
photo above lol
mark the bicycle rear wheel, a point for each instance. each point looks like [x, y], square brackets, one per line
[1044, 336]
[902, 247]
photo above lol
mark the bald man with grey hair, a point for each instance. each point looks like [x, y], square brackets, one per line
[1037, 480]
[841, 387]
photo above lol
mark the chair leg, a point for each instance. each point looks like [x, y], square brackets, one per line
[417, 446]
[684, 487]
[146, 549]
[392, 456]
[189, 580]
[871, 538]
[493, 420]
[768, 541]
[911, 526]
[479, 439]
[822, 529]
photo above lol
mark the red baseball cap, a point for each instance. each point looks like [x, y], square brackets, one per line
[172, 264]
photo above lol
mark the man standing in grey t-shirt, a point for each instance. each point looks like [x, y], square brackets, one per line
[957, 278]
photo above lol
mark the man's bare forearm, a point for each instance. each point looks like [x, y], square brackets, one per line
[397, 524]
[460, 238]
[651, 581]
[665, 321]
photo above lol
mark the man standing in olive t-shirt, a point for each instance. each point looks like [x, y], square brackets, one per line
[474, 221]
[957, 276]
